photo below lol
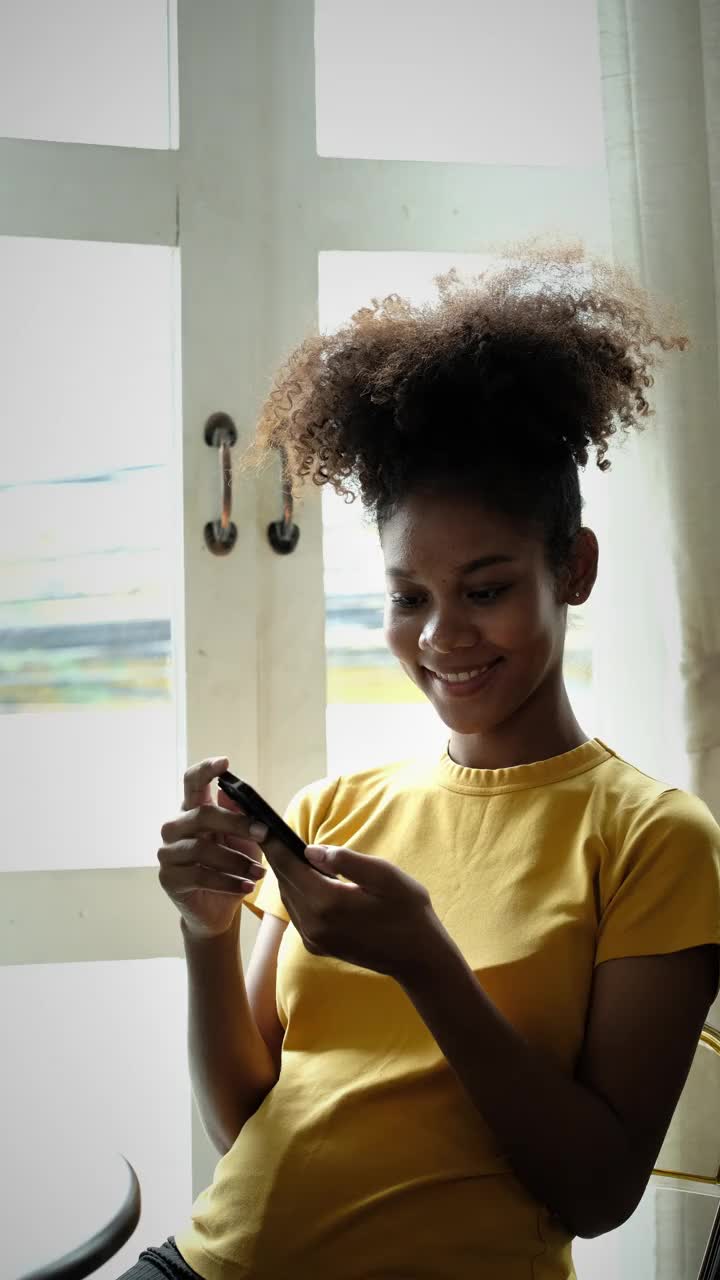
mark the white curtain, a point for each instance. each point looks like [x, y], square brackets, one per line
[659, 611]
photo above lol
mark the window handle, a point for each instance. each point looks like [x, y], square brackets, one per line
[221, 535]
[283, 534]
[221, 434]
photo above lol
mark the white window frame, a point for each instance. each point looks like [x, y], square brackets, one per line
[251, 205]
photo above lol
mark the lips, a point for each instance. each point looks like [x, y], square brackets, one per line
[474, 666]
[462, 688]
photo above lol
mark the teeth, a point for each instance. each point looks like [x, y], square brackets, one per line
[459, 677]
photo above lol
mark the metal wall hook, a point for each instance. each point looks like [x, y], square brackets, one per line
[221, 433]
[283, 534]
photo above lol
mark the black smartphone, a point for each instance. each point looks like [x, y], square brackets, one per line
[254, 805]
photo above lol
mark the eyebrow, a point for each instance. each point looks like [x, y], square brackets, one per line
[482, 563]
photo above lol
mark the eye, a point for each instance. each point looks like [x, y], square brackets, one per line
[488, 596]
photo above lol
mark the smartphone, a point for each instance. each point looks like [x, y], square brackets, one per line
[254, 805]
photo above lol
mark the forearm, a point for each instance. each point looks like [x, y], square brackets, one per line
[230, 1065]
[564, 1143]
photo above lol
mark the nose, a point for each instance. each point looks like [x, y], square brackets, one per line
[447, 631]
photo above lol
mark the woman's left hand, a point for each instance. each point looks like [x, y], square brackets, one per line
[381, 920]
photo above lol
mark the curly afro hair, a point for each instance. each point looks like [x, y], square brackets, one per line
[495, 392]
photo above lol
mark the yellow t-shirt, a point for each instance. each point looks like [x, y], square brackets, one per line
[367, 1160]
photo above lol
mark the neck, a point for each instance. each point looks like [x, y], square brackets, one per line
[537, 732]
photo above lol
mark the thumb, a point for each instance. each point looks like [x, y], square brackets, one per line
[362, 868]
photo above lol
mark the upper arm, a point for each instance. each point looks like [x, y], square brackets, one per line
[643, 1027]
[260, 983]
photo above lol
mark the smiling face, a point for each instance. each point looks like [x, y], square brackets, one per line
[443, 616]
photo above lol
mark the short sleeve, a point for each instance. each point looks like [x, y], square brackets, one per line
[304, 814]
[661, 891]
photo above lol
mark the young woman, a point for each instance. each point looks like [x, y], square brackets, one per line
[468, 1048]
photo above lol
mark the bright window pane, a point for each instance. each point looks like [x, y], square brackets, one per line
[459, 80]
[668, 1223]
[98, 71]
[89, 550]
[94, 1062]
[374, 711]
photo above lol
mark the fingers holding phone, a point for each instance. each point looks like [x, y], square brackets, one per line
[198, 779]
[208, 859]
[279, 833]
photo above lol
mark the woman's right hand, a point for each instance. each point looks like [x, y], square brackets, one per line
[208, 860]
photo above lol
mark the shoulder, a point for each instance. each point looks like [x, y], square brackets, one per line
[637, 806]
[326, 802]
[675, 820]
[622, 779]
[310, 805]
[659, 879]
[389, 776]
